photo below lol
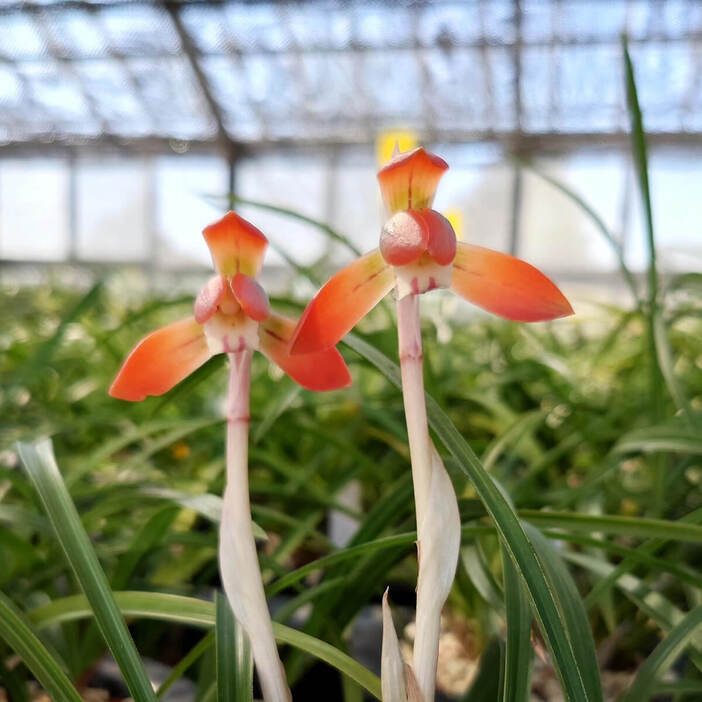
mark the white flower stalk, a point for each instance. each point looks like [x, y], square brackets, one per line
[438, 520]
[238, 559]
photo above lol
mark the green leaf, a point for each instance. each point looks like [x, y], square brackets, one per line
[21, 639]
[41, 465]
[651, 602]
[666, 364]
[13, 679]
[514, 538]
[674, 436]
[279, 403]
[234, 660]
[663, 657]
[517, 673]
[571, 606]
[46, 351]
[188, 610]
[206, 505]
[355, 552]
[149, 536]
[614, 524]
[639, 150]
[627, 564]
[488, 682]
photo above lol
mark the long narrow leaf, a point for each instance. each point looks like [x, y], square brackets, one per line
[571, 605]
[640, 153]
[665, 654]
[41, 465]
[21, 639]
[234, 661]
[518, 653]
[488, 682]
[199, 613]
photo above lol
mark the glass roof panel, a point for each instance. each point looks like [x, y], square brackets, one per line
[139, 29]
[114, 99]
[77, 33]
[317, 27]
[20, 37]
[170, 92]
[590, 89]
[205, 25]
[228, 81]
[379, 27]
[256, 28]
[60, 95]
[339, 71]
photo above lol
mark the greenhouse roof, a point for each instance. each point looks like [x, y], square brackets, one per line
[234, 73]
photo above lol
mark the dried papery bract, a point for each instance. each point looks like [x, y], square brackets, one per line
[398, 681]
[418, 252]
[232, 315]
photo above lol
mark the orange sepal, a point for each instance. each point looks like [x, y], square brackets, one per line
[409, 180]
[251, 296]
[320, 371]
[506, 286]
[161, 360]
[209, 298]
[342, 302]
[236, 245]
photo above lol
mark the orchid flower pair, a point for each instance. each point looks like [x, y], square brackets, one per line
[418, 252]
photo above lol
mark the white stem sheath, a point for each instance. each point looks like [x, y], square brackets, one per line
[438, 520]
[239, 566]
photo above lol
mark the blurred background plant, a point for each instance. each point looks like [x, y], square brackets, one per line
[590, 425]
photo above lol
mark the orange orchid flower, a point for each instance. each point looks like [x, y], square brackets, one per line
[419, 252]
[231, 312]
[232, 315]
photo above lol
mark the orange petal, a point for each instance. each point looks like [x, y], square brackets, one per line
[441, 239]
[342, 302]
[319, 371]
[251, 296]
[236, 246]
[161, 360]
[409, 180]
[403, 239]
[209, 297]
[506, 286]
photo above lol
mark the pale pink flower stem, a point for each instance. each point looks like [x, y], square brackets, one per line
[239, 566]
[411, 366]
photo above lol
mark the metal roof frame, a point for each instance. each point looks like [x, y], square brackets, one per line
[327, 130]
